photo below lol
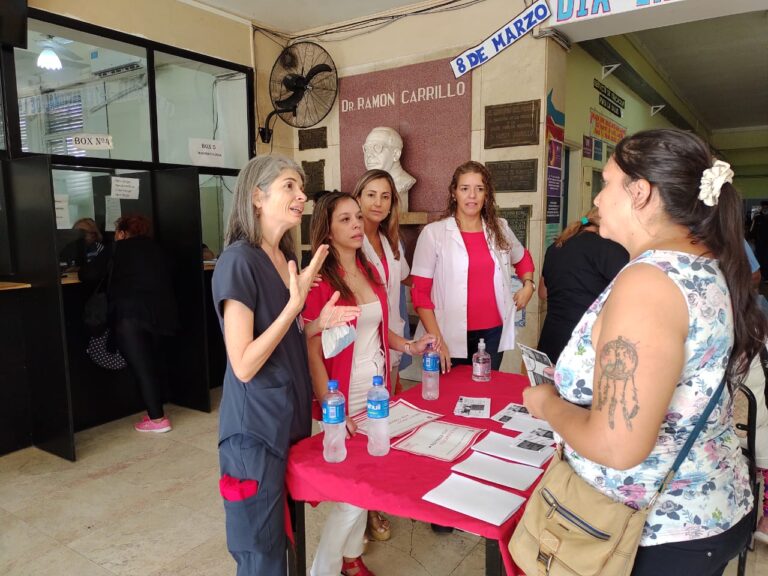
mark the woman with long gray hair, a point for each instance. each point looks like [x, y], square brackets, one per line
[266, 406]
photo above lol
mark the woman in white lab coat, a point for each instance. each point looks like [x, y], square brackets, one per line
[376, 193]
[377, 196]
[462, 269]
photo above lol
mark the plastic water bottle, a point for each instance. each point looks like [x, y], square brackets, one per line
[430, 374]
[378, 418]
[334, 424]
[481, 364]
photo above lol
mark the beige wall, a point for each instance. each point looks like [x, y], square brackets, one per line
[581, 96]
[166, 21]
[517, 74]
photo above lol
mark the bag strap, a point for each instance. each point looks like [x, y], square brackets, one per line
[689, 443]
[108, 275]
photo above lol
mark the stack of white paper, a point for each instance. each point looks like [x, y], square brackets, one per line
[492, 505]
[517, 476]
[519, 449]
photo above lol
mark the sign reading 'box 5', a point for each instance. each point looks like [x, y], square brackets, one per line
[503, 38]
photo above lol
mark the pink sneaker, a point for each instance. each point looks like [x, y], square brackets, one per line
[148, 425]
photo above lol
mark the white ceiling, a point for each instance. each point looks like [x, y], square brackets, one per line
[718, 66]
[293, 16]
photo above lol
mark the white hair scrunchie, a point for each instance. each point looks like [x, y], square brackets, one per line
[712, 181]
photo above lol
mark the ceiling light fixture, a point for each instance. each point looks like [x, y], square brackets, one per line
[48, 60]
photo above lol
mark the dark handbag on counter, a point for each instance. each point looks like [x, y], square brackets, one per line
[571, 529]
[98, 351]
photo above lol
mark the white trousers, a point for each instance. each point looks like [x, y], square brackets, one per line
[342, 536]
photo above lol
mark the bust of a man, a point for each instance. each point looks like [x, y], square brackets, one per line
[382, 150]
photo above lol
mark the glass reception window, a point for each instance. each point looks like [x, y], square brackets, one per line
[2, 124]
[82, 95]
[216, 193]
[201, 113]
[2, 120]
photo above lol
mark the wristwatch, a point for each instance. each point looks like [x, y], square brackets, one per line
[532, 283]
[408, 346]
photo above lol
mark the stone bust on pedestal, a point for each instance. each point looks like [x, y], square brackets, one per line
[382, 150]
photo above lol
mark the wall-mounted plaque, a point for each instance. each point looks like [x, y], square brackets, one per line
[313, 138]
[315, 172]
[306, 220]
[515, 124]
[519, 221]
[514, 175]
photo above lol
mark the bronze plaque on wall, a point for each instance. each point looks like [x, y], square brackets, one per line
[515, 124]
[518, 220]
[315, 172]
[514, 175]
[313, 138]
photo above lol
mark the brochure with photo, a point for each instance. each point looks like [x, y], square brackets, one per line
[473, 407]
[535, 363]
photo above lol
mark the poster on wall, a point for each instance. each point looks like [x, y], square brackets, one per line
[554, 153]
[598, 151]
[553, 210]
[603, 128]
[429, 108]
[554, 181]
[555, 137]
[551, 232]
[586, 146]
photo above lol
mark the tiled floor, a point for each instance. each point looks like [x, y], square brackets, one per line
[147, 505]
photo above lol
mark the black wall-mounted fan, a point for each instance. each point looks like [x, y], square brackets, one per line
[303, 86]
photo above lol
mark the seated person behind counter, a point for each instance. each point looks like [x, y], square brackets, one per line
[208, 254]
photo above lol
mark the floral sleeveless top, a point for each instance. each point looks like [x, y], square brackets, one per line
[711, 491]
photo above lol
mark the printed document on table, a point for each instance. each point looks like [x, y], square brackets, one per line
[403, 417]
[535, 362]
[440, 440]
[520, 449]
[473, 407]
[509, 474]
[487, 503]
[516, 417]
[510, 411]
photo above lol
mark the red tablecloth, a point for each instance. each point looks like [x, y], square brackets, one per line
[395, 483]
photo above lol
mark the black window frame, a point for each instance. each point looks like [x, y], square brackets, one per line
[11, 107]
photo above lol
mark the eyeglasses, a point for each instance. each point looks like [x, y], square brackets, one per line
[374, 148]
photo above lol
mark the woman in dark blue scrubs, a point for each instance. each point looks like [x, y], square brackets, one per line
[266, 406]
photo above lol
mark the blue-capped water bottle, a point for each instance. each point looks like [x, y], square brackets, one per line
[378, 418]
[334, 424]
[430, 374]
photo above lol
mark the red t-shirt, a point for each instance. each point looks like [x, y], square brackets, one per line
[482, 311]
[340, 366]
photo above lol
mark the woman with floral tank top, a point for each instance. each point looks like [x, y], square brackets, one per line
[653, 348]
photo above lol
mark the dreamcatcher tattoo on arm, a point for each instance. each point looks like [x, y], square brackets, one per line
[618, 363]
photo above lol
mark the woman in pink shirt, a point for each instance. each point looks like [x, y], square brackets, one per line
[462, 269]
